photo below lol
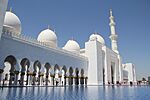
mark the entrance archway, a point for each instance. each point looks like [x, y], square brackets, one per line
[103, 76]
[112, 74]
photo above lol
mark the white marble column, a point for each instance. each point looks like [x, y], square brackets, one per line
[22, 78]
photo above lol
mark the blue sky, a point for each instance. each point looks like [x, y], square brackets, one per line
[78, 19]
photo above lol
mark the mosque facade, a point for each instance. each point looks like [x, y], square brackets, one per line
[28, 61]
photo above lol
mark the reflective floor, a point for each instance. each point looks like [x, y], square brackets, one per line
[76, 93]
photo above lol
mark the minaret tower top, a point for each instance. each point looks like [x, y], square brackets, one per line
[113, 35]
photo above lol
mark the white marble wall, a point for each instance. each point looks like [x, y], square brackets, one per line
[93, 50]
[20, 49]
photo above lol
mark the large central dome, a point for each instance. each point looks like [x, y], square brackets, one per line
[48, 37]
[12, 23]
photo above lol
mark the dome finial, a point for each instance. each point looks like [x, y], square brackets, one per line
[72, 38]
[95, 32]
[10, 9]
[110, 11]
[48, 27]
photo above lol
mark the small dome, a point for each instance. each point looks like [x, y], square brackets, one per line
[48, 37]
[97, 37]
[72, 46]
[12, 23]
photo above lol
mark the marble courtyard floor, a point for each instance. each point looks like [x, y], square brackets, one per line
[76, 93]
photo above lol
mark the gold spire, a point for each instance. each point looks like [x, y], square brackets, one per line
[10, 9]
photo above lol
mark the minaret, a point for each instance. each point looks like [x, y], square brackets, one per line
[113, 35]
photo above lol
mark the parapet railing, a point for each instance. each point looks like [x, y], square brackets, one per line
[33, 41]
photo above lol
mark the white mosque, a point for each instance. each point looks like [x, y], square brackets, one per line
[28, 61]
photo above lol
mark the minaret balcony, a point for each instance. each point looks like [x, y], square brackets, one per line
[113, 37]
[112, 24]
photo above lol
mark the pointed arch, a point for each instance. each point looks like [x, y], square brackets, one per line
[47, 67]
[70, 71]
[36, 65]
[11, 59]
[56, 67]
[64, 68]
[25, 62]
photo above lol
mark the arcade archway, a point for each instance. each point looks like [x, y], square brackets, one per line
[36, 72]
[25, 64]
